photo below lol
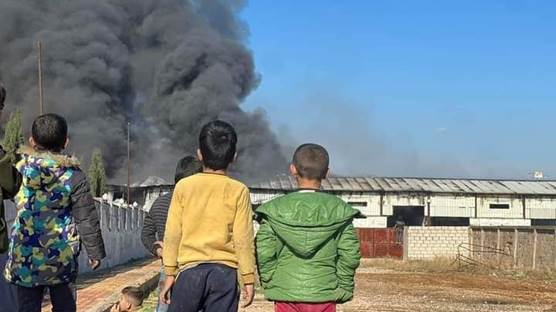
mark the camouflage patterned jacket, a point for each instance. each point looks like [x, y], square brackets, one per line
[56, 212]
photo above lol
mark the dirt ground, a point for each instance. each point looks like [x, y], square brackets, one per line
[383, 287]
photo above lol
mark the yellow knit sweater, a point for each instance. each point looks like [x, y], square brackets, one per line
[210, 221]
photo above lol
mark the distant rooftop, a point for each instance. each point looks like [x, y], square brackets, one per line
[151, 181]
[426, 185]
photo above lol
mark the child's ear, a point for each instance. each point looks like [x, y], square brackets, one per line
[293, 170]
[199, 155]
[327, 173]
[235, 158]
[32, 142]
[67, 143]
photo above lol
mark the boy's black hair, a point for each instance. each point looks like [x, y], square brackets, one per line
[217, 142]
[2, 96]
[187, 166]
[311, 161]
[134, 294]
[50, 132]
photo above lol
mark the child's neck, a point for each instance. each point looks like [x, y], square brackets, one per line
[47, 151]
[209, 170]
[310, 184]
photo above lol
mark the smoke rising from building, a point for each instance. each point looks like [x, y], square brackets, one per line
[167, 66]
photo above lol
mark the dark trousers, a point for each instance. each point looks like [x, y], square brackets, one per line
[61, 296]
[207, 287]
[8, 292]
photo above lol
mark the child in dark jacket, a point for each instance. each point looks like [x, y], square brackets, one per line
[9, 182]
[307, 250]
[9, 185]
[56, 213]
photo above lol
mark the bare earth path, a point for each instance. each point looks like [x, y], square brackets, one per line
[388, 290]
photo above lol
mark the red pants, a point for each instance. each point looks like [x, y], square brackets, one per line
[304, 307]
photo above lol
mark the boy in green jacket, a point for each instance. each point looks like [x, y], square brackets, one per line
[306, 246]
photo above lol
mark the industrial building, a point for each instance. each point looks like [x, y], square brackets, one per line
[435, 202]
[459, 213]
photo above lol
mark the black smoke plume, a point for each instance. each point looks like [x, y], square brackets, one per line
[166, 66]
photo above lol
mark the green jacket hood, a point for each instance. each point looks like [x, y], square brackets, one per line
[304, 221]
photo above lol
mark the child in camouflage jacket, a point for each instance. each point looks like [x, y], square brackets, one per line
[56, 212]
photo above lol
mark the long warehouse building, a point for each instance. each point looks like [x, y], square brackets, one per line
[429, 201]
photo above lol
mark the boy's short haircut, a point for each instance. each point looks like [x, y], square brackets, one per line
[217, 142]
[50, 132]
[134, 295]
[311, 161]
[2, 96]
[187, 166]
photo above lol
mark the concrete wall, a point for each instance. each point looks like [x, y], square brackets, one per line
[121, 230]
[425, 243]
[520, 248]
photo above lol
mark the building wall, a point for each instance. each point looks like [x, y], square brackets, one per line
[484, 210]
[397, 199]
[452, 206]
[261, 197]
[477, 208]
[499, 222]
[370, 222]
[368, 204]
[426, 243]
[540, 208]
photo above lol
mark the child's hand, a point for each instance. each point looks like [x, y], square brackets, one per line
[248, 295]
[94, 264]
[159, 249]
[165, 291]
[115, 308]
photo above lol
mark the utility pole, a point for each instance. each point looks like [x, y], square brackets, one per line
[128, 165]
[39, 64]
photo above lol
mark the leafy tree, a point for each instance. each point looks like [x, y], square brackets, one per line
[13, 136]
[97, 174]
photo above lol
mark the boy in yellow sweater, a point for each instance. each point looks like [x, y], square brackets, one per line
[209, 232]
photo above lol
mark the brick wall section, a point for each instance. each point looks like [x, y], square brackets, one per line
[425, 243]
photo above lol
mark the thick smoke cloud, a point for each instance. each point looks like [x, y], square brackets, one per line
[167, 66]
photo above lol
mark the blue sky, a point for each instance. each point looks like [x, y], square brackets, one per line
[411, 88]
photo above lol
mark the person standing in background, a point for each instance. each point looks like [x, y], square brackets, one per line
[9, 184]
[154, 224]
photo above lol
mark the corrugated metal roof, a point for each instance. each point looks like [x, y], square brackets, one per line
[429, 185]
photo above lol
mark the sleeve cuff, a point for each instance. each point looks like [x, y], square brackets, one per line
[248, 278]
[171, 270]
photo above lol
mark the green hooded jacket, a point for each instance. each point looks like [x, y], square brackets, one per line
[9, 185]
[307, 250]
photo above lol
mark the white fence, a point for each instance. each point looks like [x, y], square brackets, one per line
[121, 231]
